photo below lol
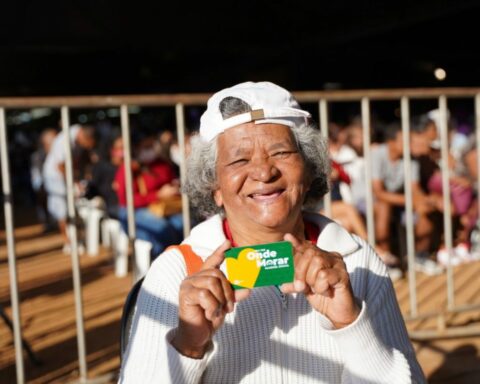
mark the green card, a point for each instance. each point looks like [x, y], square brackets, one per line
[260, 265]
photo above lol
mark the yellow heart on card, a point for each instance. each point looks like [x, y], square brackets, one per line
[243, 271]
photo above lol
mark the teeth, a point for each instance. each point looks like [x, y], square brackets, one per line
[265, 194]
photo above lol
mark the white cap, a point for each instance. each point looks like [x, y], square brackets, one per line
[269, 103]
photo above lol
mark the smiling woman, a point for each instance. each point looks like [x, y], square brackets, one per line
[202, 163]
[256, 166]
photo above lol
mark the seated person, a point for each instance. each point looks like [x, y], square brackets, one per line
[103, 175]
[388, 182]
[153, 181]
[260, 162]
[461, 183]
[341, 211]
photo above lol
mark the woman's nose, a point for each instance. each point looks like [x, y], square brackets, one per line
[263, 170]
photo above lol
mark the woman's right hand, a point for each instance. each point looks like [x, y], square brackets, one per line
[205, 298]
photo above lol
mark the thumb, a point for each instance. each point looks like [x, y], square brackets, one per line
[241, 294]
[292, 239]
[217, 257]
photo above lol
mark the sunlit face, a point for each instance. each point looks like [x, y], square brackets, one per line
[85, 141]
[261, 175]
[116, 152]
[355, 139]
[396, 144]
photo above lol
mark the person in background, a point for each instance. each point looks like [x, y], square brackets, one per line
[463, 206]
[36, 171]
[342, 156]
[388, 180]
[341, 211]
[82, 138]
[154, 181]
[103, 174]
[355, 166]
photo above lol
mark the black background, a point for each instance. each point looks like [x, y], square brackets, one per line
[106, 47]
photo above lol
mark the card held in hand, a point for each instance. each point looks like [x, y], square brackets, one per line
[260, 265]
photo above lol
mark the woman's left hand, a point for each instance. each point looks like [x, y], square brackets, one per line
[323, 278]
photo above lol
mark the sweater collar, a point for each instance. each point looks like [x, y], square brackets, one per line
[208, 236]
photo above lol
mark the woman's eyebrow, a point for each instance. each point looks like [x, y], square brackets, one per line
[239, 151]
[280, 145]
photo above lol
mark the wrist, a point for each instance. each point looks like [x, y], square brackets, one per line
[351, 319]
[184, 347]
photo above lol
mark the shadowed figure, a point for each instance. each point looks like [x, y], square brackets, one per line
[459, 366]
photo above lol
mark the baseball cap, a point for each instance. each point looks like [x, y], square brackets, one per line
[269, 102]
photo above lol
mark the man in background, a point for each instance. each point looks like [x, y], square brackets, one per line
[81, 137]
[37, 160]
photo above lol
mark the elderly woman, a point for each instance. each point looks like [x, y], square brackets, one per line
[257, 168]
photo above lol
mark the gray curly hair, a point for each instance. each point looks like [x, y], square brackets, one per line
[201, 180]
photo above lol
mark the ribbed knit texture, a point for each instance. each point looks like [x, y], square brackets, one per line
[271, 338]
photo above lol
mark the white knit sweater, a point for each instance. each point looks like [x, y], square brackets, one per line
[270, 337]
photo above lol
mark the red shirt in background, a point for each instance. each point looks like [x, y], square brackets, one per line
[154, 176]
[342, 175]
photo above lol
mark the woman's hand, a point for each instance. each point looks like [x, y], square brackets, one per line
[204, 300]
[323, 278]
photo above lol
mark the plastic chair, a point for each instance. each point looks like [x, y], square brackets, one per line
[91, 211]
[142, 256]
[111, 230]
[127, 316]
[143, 250]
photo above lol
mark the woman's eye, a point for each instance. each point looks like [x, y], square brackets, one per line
[238, 162]
[282, 154]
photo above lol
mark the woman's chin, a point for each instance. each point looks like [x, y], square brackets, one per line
[272, 219]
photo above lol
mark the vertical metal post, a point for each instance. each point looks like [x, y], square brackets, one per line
[477, 135]
[180, 118]
[323, 113]
[447, 214]
[365, 107]
[412, 285]
[12, 263]
[127, 157]
[72, 237]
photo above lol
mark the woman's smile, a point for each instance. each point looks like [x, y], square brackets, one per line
[267, 195]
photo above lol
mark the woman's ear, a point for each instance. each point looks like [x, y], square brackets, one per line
[217, 196]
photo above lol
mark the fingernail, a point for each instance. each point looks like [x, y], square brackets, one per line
[230, 306]
[299, 285]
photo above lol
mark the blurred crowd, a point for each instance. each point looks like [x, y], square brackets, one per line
[388, 186]
[99, 176]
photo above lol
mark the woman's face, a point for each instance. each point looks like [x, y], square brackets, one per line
[261, 175]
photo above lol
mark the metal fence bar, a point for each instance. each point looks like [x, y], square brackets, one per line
[180, 118]
[182, 100]
[477, 135]
[365, 107]
[72, 238]
[201, 98]
[447, 213]
[127, 158]
[407, 163]
[323, 117]
[12, 262]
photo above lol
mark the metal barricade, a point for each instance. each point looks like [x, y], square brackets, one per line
[180, 101]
